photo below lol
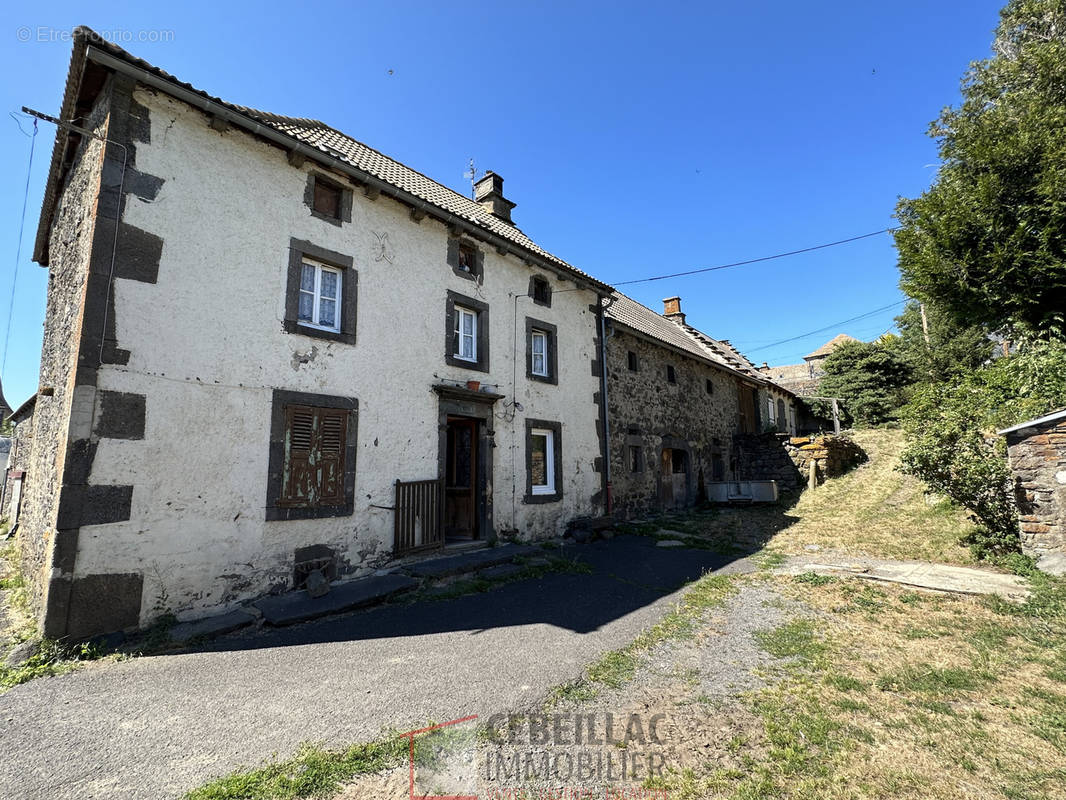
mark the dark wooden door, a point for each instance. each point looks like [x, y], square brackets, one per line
[461, 479]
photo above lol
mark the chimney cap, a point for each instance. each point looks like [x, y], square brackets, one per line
[488, 193]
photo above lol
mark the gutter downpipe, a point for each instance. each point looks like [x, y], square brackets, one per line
[604, 416]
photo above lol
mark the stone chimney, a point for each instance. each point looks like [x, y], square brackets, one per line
[672, 310]
[488, 192]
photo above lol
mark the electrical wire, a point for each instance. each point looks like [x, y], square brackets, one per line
[828, 327]
[756, 260]
[18, 249]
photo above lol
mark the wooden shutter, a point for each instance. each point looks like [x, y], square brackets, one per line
[314, 456]
[333, 429]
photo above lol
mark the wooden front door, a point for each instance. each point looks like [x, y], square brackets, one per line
[673, 478]
[461, 480]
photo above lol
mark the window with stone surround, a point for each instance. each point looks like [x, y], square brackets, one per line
[311, 471]
[321, 293]
[327, 199]
[467, 333]
[544, 461]
[542, 361]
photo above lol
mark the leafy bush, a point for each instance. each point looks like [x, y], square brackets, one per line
[870, 377]
[953, 446]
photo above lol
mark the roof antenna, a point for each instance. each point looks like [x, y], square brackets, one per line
[470, 175]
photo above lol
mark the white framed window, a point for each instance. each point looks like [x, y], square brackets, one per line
[320, 296]
[465, 334]
[542, 461]
[539, 348]
[771, 411]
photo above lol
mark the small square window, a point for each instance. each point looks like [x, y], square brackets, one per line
[631, 360]
[467, 257]
[320, 296]
[671, 374]
[636, 460]
[327, 199]
[710, 386]
[540, 291]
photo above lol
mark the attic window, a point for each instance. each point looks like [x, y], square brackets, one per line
[327, 199]
[710, 386]
[631, 361]
[540, 290]
[467, 257]
[671, 374]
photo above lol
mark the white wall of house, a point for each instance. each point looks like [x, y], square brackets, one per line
[208, 347]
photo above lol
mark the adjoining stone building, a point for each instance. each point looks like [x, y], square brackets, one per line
[676, 400]
[1037, 455]
[804, 379]
[269, 346]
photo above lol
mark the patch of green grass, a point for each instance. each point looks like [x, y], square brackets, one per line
[814, 579]
[51, 658]
[797, 639]
[767, 559]
[932, 680]
[312, 772]
[844, 683]
[617, 667]
[12, 582]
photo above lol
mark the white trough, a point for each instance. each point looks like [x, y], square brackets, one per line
[742, 491]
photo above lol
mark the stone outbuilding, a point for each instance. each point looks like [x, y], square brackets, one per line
[1037, 454]
[677, 402]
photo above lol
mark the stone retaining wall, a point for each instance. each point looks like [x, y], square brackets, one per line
[832, 455]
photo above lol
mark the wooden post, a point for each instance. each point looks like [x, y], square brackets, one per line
[812, 474]
[836, 418]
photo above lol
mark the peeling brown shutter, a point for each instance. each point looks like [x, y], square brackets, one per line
[314, 456]
[332, 435]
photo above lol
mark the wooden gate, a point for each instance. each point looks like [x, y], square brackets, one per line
[418, 517]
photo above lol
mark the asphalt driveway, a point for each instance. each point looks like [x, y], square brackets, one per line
[157, 726]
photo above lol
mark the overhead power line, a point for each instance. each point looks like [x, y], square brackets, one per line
[755, 260]
[828, 327]
[18, 249]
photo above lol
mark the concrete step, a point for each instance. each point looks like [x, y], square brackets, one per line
[445, 566]
[288, 609]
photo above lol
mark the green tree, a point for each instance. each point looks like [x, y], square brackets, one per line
[952, 441]
[987, 241]
[870, 377]
[951, 348]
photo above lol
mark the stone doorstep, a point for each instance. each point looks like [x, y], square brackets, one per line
[297, 606]
[212, 626]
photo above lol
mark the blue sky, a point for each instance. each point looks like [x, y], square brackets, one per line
[637, 138]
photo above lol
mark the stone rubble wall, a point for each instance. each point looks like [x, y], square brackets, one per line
[787, 460]
[832, 455]
[1038, 461]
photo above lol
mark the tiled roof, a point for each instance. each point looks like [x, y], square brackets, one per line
[312, 133]
[366, 159]
[831, 345]
[627, 311]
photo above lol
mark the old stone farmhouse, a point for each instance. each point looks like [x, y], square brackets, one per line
[270, 347]
[1037, 455]
[677, 400]
[804, 379]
